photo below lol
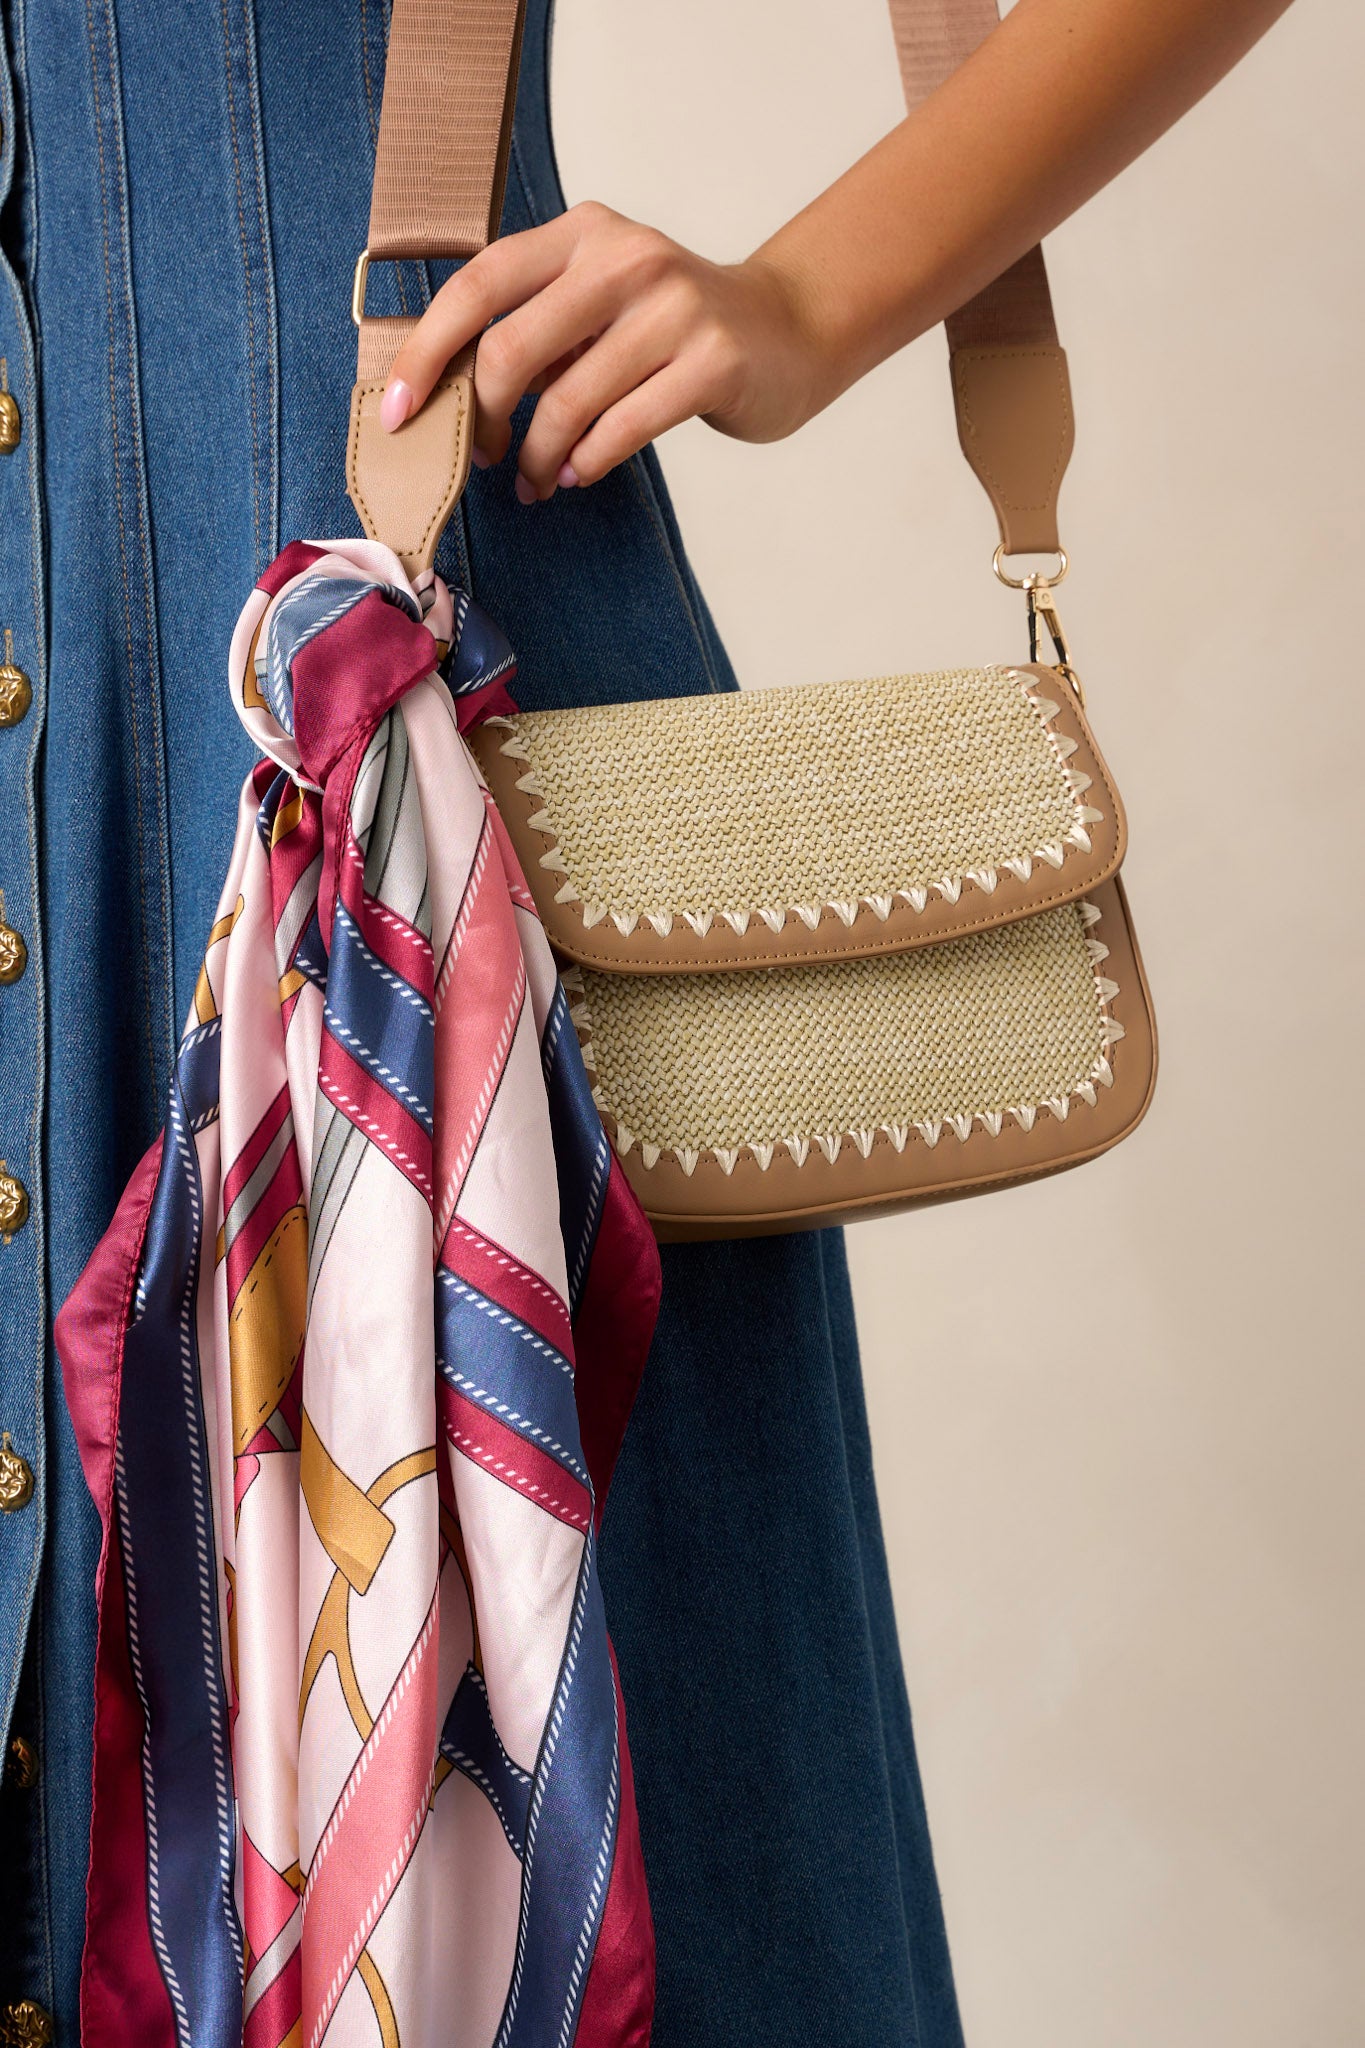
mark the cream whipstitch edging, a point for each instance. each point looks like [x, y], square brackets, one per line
[1009, 1023]
[894, 788]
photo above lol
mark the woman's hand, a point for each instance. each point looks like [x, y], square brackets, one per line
[622, 333]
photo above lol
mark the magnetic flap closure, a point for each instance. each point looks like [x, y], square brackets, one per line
[767, 828]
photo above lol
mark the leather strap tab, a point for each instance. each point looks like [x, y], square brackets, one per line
[1014, 422]
[405, 485]
[1010, 382]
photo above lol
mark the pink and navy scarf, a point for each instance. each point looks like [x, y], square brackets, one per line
[349, 1373]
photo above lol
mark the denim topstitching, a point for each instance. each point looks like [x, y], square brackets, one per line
[258, 275]
[130, 473]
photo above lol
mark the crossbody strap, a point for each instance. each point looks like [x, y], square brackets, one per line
[445, 131]
[1010, 384]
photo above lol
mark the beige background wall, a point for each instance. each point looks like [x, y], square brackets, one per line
[1121, 1483]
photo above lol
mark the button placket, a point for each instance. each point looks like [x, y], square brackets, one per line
[16, 694]
[30, 1996]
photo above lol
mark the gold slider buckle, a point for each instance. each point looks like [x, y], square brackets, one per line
[362, 271]
[1038, 589]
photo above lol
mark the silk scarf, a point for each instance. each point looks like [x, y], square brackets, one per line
[348, 1375]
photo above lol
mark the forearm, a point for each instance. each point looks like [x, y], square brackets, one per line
[623, 333]
[1058, 100]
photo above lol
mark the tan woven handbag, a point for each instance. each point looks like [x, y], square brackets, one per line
[834, 949]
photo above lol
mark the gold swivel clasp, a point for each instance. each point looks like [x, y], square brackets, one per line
[1042, 607]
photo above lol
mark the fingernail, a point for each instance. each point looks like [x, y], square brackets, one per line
[568, 476]
[479, 459]
[395, 405]
[526, 494]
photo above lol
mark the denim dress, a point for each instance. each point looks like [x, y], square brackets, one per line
[186, 186]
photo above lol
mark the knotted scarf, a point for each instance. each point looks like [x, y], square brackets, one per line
[348, 1373]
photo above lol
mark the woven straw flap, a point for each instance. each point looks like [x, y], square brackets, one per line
[741, 1102]
[789, 827]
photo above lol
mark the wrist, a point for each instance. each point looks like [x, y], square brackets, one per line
[814, 336]
[848, 311]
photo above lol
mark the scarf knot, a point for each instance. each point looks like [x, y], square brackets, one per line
[335, 635]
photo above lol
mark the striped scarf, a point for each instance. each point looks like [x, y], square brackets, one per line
[348, 1373]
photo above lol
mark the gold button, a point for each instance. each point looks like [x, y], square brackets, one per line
[13, 951]
[16, 691]
[16, 1478]
[23, 1763]
[25, 2025]
[11, 426]
[13, 1204]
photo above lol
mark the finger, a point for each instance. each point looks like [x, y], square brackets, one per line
[556, 369]
[518, 351]
[672, 395]
[500, 277]
[484, 458]
[624, 356]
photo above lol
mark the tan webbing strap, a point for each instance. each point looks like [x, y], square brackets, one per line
[444, 136]
[1011, 389]
[445, 127]
[445, 133]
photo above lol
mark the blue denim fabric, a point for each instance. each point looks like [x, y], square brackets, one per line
[187, 190]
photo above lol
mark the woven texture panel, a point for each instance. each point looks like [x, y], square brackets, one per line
[1002, 1019]
[878, 786]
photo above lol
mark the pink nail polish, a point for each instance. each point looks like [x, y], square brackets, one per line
[525, 492]
[395, 405]
[568, 476]
[479, 459]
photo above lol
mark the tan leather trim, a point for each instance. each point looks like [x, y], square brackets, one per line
[405, 485]
[683, 951]
[754, 1201]
[1015, 423]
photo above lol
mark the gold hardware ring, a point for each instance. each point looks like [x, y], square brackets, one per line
[1023, 582]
